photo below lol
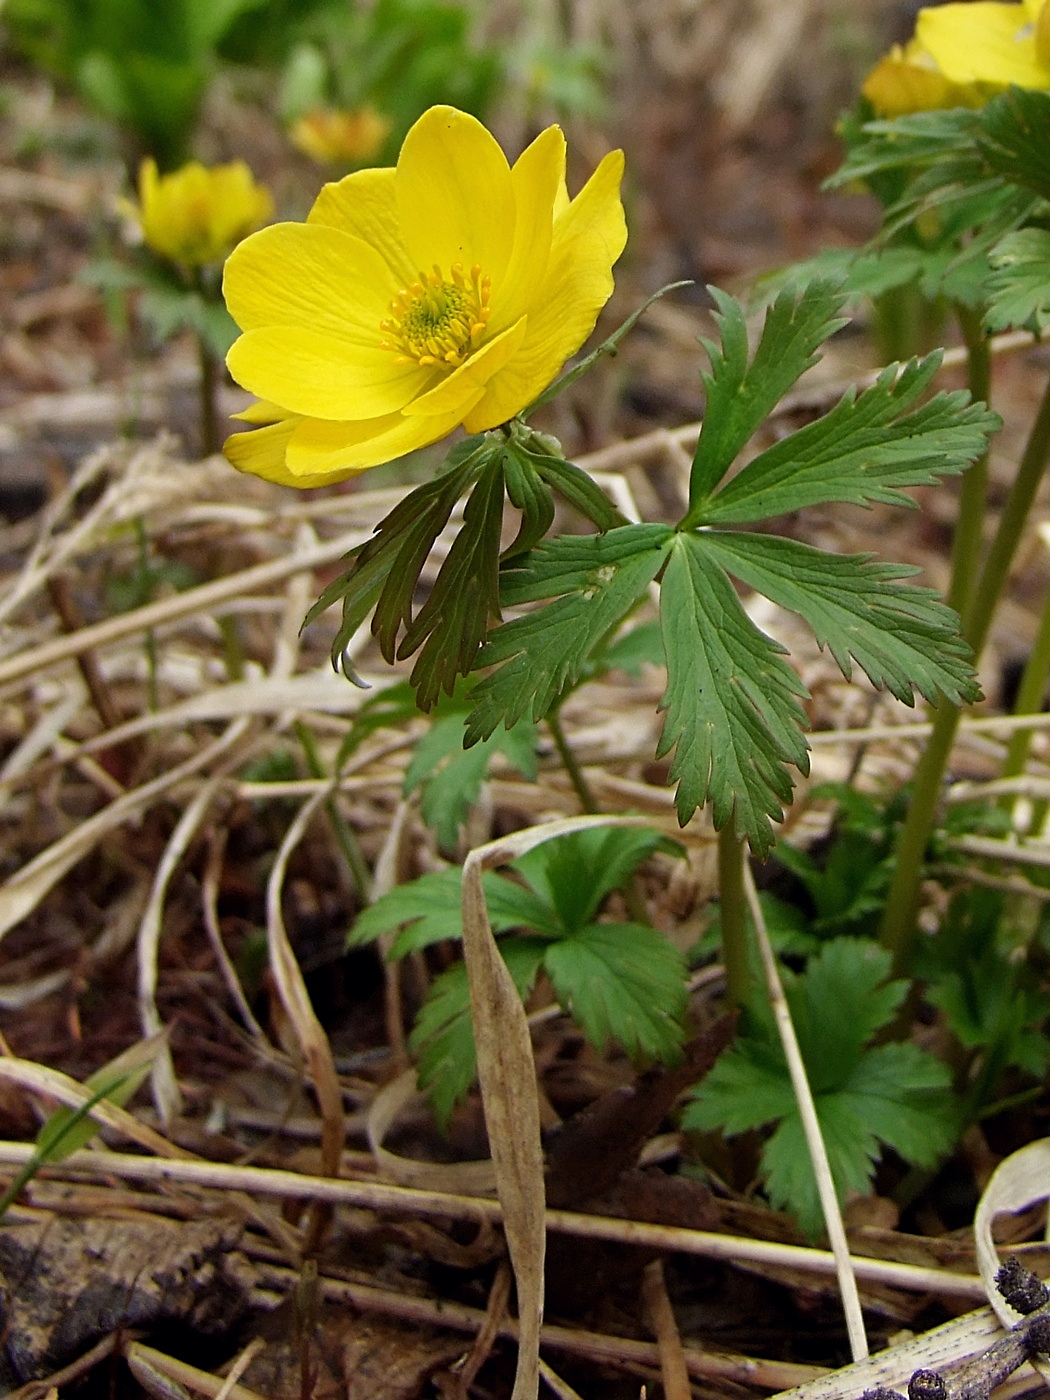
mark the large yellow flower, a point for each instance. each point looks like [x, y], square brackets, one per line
[197, 215]
[986, 42]
[447, 291]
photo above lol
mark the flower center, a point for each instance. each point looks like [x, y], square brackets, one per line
[436, 321]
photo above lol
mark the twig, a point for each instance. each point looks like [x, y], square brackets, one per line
[673, 1370]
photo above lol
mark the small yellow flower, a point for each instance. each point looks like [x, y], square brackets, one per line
[986, 42]
[328, 135]
[447, 291]
[908, 80]
[197, 215]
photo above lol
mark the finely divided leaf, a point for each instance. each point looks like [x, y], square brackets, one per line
[594, 580]
[622, 983]
[741, 396]
[429, 910]
[864, 451]
[573, 873]
[1019, 288]
[903, 637]
[732, 702]
[1014, 138]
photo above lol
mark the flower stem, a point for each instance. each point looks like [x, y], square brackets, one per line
[208, 389]
[733, 914]
[974, 491]
[897, 931]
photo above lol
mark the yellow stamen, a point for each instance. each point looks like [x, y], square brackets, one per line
[438, 320]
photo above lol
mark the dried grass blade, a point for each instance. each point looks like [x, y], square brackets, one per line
[507, 1076]
[847, 1279]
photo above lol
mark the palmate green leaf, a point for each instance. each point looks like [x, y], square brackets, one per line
[902, 636]
[593, 581]
[622, 983]
[443, 1036]
[892, 1095]
[732, 702]
[740, 396]
[864, 451]
[1019, 287]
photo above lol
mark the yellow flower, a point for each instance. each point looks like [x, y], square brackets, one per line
[908, 80]
[328, 135]
[985, 42]
[447, 291]
[197, 215]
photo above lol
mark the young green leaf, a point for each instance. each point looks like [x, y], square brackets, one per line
[594, 581]
[1019, 287]
[903, 637]
[864, 451]
[891, 1095]
[733, 713]
[443, 1037]
[451, 775]
[574, 873]
[430, 909]
[740, 396]
[623, 983]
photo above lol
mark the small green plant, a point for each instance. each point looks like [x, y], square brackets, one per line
[622, 983]
[868, 1096]
[143, 65]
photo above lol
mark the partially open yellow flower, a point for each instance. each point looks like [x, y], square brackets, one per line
[328, 135]
[447, 291]
[986, 42]
[908, 80]
[197, 215]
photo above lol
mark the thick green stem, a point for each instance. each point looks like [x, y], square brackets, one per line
[902, 904]
[733, 915]
[973, 494]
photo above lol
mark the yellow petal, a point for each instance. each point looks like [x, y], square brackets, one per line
[982, 42]
[259, 412]
[588, 238]
[339, 450]
[322, 376]
[312, 276]
[262, 453]
[464, 387]
[364, 205]
[454, 191]
[537, 176]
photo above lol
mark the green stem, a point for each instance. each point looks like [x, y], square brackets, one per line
[209, 389]
[733, 915]
[1029, 697]
[580, 785]
[973, 494]
[900, 915]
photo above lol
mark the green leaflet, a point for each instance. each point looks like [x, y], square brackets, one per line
[865, 450]
[1019, 287]
[903, 637]
[733, 714]
[740, 396]
[590, 582]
